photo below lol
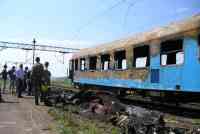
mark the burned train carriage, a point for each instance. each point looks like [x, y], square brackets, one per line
[164, 59]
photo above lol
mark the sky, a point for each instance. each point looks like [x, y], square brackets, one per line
[81, 23]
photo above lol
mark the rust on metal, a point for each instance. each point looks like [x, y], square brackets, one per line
[138, 74]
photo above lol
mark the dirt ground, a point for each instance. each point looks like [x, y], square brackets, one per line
[21, 116]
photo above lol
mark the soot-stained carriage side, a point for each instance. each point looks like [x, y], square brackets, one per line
[166, 59]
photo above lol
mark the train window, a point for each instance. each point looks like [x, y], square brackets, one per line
[82, 64]
[141, 57]
[199, 39]
[120, 59]
[105, 62]
[93, 63]
[172, 52]
[76, 64]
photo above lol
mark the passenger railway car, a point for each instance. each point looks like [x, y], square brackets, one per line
[166, 59]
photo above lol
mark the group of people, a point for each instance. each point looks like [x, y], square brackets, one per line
[35, 81]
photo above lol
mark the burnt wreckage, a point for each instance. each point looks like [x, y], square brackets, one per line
[162, 62]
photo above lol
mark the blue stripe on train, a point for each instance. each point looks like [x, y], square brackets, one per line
[186, 75]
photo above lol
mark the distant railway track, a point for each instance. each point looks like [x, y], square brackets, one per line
[62, 87]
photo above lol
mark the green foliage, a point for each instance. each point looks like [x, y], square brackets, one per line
[114, 131]
[65, 82]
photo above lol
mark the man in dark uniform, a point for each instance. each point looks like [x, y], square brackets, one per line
[46, 81]
[12, 76]
[37, 74]
[25, 78]
[4, 74]
[28, 82]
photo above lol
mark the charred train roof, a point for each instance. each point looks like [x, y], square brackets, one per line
[171, 30]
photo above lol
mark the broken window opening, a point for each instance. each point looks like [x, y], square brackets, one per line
[199, 39]
[120, 60]
[82, 64]
[105, 62]
[141, 56]
[93, 63]
[172, 52]
[76, 64]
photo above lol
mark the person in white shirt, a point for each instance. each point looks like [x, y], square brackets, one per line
[20, 78]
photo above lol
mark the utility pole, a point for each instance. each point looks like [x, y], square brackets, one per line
[34, 41]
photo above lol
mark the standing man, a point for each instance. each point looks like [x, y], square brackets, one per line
[37, 74]
[46, 81]
[4, 74]
[20, 80]
[12, 79]
[25, 78]
[28, 83]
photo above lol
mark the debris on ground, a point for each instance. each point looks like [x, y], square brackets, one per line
[106, 107]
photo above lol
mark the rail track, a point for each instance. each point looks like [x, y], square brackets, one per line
[189, 110]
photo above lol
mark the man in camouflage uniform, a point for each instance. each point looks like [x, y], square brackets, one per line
[4, 74]
[37, 74]
[46, 82]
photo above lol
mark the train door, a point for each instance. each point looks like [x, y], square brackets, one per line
[171, 60]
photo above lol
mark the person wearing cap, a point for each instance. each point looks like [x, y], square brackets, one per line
[36, 77]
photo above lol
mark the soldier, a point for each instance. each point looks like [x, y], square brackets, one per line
[28, 82]
[4, 74]
[46, 81]
[12, 76]
[37, 73]
[25, 78]
[47, 74]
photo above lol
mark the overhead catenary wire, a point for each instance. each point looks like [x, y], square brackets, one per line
[95, 18]
[126, 14]
[132, 4]
[26, 46]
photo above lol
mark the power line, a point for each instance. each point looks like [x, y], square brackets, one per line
[127, 12]
[93, 19]
[132, 4]
[48, 48]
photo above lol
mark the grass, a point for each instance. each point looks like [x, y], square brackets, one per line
[196, 121]
[65, 82]
[70, 123]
